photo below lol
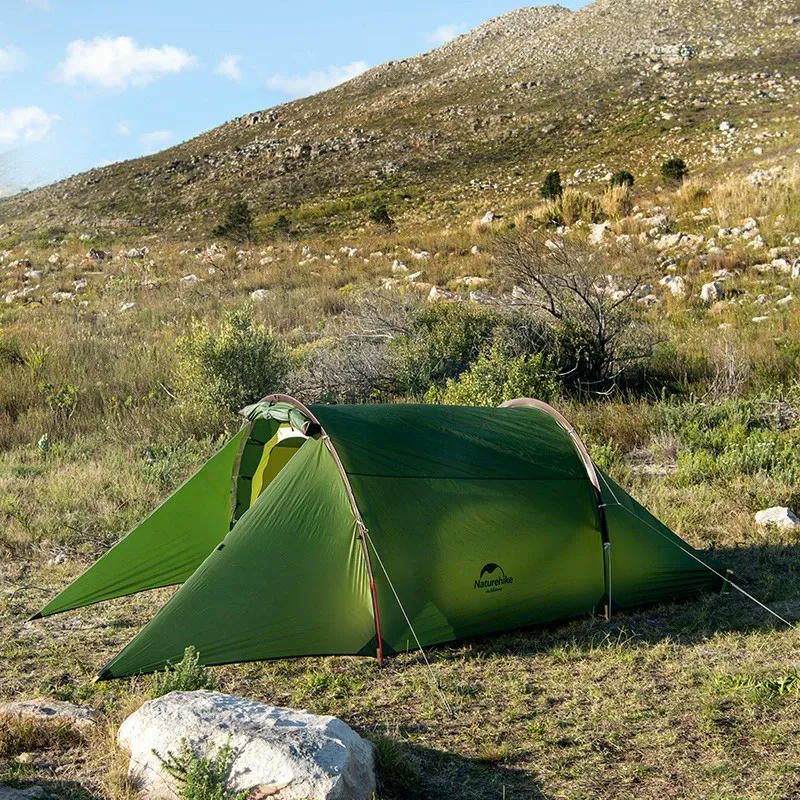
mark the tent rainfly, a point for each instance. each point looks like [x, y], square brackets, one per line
[369, 529]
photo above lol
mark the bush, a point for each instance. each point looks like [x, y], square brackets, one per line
[551, 188]
[187, 675]
[204, 778]
[674, 169]
[622, 178]
[574, 205]
[495, 377]
[441, 342]
[379, 214]
[617, 201]
[238, 224]
[234, 366]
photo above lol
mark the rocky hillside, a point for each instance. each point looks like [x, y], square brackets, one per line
[617, 84]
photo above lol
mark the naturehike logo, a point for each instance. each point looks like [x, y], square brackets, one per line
[492, 578]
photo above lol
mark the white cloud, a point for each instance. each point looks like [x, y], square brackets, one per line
[229, 67]
[11, 58]
[444, 33]
[22, 125]
[156, 140]
[122, 128]
[113, 63]
[317, 80]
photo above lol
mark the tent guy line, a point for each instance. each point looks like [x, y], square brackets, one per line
[725, 578]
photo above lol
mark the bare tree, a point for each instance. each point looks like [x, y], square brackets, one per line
[586, 296]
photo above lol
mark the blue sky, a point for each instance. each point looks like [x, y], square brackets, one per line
[88, 82]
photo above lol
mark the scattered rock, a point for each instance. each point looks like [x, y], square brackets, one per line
[712, 292]
[780, 516]
[261, 294]
[280, 752]
[436, 295]
[598, 231]
[190, 279]
[675, 283]
[137, 252]
[60, 297]
[488, 218]
[127, 306]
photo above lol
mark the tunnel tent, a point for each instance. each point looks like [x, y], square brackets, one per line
[367, 529]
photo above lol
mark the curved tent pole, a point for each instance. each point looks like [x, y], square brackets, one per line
[590, 471]
[285, 398]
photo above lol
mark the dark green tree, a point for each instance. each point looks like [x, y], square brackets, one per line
[674, 169]
[238, 224]
[551, 188]
[622, 178]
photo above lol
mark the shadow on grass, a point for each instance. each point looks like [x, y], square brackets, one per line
[408, 771]
[770, 572]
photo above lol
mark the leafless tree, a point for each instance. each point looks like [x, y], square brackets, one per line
[586, 295]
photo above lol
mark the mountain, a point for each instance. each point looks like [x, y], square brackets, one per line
[617, 84]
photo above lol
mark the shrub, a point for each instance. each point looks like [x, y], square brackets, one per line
[281, 227]
[204, 778]
[617, 201]
[234, 366]
[495, 377]
[595, 333]
[551, 188]
[238, 223]
[379, 214]
[622, 178]
[674, 169]
[187, 675]
[574, 205]
[441, 341]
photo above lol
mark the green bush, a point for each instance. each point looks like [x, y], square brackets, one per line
[238, 224]
[496, 377]
[674, 169]
[187, 675]
[443, 341]
[204, 778]
[379, 214]
[622, 178]
[731, 439]
[231, 367]
[551, 188]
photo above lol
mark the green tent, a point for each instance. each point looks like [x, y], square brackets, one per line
[372, 529]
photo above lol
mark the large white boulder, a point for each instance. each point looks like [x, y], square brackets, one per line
[780, 516]
[287, 754]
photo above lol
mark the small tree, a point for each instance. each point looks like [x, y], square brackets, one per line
[674, 169]
[379, 214]
[282, 226]
[586, 300]
[551, 188]
[622, 178]
[238, 224]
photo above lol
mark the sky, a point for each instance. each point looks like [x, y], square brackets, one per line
[89, 82]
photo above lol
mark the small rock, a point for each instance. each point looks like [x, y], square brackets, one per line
[481, 297]
[780, 516]
[127, 306]
[675, 283]
[261, 294]
[598, 231]
[712, 292]
[784, 300]
[189, 279]
[488, 218]
[60, 297]
[759, 319]
[441, 295]
[137, 252]
[397, 266]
